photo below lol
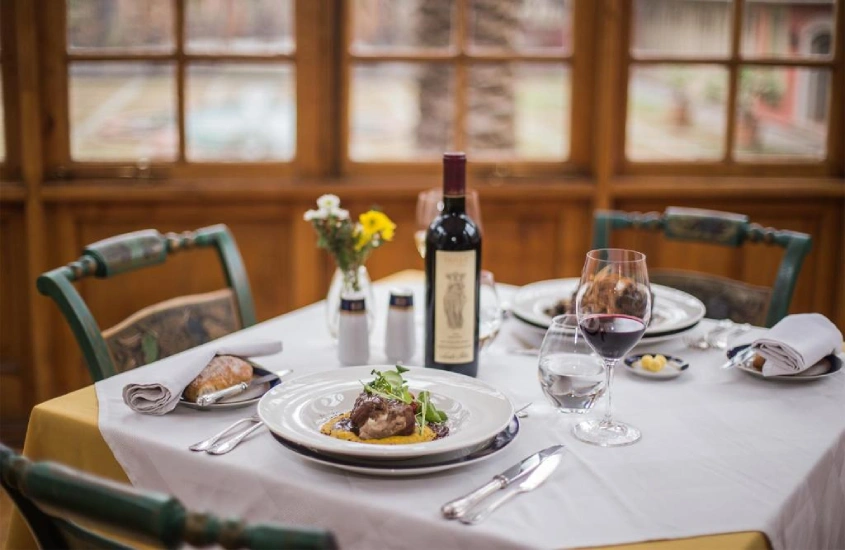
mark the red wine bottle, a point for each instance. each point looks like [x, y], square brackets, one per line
[452, 278]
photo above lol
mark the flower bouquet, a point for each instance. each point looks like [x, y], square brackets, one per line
[350, 243]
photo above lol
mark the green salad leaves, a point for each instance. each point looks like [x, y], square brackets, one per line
[391, 385]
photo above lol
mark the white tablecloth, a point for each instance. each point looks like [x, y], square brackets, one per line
[721, 452]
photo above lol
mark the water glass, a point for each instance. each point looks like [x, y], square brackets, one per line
[571, 374]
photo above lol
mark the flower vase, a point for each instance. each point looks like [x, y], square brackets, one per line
[343, 282]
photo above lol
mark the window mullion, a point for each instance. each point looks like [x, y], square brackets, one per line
[179, 33]
[733, 80]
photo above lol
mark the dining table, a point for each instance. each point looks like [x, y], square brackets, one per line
[726, 460]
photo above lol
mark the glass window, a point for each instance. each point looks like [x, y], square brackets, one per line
[496, 83]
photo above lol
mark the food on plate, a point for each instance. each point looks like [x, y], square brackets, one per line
[562, 306]
[612, 293]
[653, 363]
[387, 413]
[221, 372]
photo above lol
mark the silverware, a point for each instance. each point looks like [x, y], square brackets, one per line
[523, 351]
[206, 443]
[720, 341]
[740, 358]
[534, 480]
[460, 506]
[232, 442]
[521, 412]
[703, 342]
[214, 397]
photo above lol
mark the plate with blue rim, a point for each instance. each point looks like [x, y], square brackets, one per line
[674, 367]
[831, 363]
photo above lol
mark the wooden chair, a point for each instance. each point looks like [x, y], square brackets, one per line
[160, 330]
[724, 298]
[52, 498]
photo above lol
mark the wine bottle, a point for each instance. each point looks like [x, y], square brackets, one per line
[452, 278]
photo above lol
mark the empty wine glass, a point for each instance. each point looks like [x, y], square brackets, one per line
[430, 204]
[613, 304]
[490, 312]
[571, 374]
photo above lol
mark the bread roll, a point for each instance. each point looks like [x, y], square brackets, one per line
[221, 372]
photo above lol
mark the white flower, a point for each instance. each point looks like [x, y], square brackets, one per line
[328, 202]
[315, 215]
[339, 213]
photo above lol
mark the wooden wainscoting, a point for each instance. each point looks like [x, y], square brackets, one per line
[531, 232]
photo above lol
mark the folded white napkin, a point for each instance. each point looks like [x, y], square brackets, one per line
[155, 389]
[797, 343]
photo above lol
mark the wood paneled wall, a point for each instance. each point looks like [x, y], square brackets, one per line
[530, 233]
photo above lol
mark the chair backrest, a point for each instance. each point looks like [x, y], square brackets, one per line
[162, 329]
[731, 299]
[55, 500]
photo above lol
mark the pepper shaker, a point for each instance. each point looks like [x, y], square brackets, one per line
[353, 340]
[400, 334]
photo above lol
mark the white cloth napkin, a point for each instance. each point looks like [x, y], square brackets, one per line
[157, 390]
[797, 343]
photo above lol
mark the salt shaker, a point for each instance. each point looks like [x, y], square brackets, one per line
[400, 334]
[353, 339]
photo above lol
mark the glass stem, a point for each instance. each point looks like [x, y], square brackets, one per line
[609, 365]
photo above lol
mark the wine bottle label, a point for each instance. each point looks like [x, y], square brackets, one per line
[454, 306]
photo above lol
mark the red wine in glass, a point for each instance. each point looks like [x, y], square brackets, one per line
[612, 335]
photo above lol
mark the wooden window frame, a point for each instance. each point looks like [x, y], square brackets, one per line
[56, 60]
[728, 165]
[10, 164]
[461, 55]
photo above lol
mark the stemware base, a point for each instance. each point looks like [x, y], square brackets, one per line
[606, 434]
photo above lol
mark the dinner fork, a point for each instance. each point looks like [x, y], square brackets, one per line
[232, 442]
[207, 443]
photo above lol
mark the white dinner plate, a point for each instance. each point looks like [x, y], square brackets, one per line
[404, 468]
[674, 312]
[295, 411]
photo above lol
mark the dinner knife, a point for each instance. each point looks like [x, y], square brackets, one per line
[460, 506]
[740, 358]
[536, 478]
[214, 397]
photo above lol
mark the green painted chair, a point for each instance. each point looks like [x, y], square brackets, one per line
[52, 498]
[724, 298]
[162, 329]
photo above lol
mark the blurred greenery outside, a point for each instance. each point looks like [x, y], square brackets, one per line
[126, 111]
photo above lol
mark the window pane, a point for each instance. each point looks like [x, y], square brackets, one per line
[108, 25]
[792, 30]
[782, 111]
[240, 112]
[526, 25]
[238, 27]
[122, 111]
[519, 110]
[676, 112]
[401, 111]
[402, 24]
[682, 28]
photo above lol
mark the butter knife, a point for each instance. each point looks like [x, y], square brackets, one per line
[460, 506]
[214, 397]
[536, 478]
[740, 358]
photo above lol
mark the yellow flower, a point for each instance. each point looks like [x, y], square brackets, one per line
[373, 222]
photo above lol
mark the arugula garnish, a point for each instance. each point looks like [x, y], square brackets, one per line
[391, 385]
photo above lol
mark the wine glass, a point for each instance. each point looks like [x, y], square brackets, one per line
[491, 315]
[613, 305]
[429, 206]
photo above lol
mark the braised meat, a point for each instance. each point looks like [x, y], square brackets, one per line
[374, 417]
[611, 293]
